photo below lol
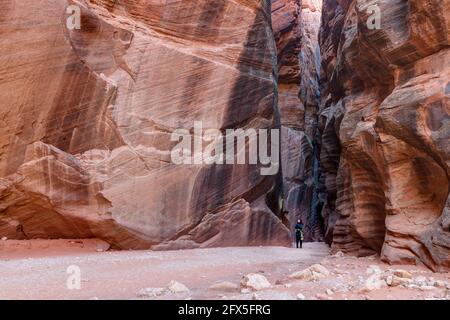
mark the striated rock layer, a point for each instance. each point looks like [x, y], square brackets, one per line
[86, 118]
[296, 25]
[385, 126]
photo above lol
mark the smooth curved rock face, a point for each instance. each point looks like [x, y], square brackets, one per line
[296, 25]
[386, 110]
[86, 118]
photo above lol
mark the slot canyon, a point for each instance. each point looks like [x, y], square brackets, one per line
[87, 115]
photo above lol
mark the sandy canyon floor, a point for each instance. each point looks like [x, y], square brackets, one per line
[38, 269]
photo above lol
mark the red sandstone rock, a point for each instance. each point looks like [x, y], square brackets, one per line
[385, 123]
[86, 117]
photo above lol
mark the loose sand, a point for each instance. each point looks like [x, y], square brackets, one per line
[37, 269]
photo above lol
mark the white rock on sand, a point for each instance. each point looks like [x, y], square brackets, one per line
[177, 287]
[338, 254]
[403, 274]
[301, 297]
[255, 282]
[374, 282]
[150, 292]
[314, 273]
[394, 281]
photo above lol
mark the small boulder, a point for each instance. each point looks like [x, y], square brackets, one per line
[374, 282]
[320, 269]
[339, 254]
[255, 281]
[403, 274]
[150, 292]
[177, 287]
[305, 275]
[394, 281]
[301, 297]
[314, 273]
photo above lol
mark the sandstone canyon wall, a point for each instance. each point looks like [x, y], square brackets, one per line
[296, 26]
[385, 129]
[86, 118]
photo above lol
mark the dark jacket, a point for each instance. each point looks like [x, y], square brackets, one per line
[299, 230]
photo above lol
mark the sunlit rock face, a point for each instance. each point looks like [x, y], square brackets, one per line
[86, 118]
[296, 25]
[385, 125]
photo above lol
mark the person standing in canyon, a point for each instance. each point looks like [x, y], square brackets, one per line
[299, 233]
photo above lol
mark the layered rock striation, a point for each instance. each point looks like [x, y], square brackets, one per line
[385, 127]
[87, 114]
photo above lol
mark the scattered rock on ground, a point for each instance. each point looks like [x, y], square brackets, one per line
[394, 281]
[338, 254]
[177, 287]
[373, 270]
[403, 274]
[255, 282]
[314, 273]
[225, 285]
[301, 297]
[374, 282]
[150, 292]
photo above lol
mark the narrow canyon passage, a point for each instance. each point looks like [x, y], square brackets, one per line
[296, 26]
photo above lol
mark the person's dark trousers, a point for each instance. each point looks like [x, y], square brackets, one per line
[299, 242]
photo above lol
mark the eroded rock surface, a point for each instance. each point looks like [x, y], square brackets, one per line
[385, 125]
[86, 118]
